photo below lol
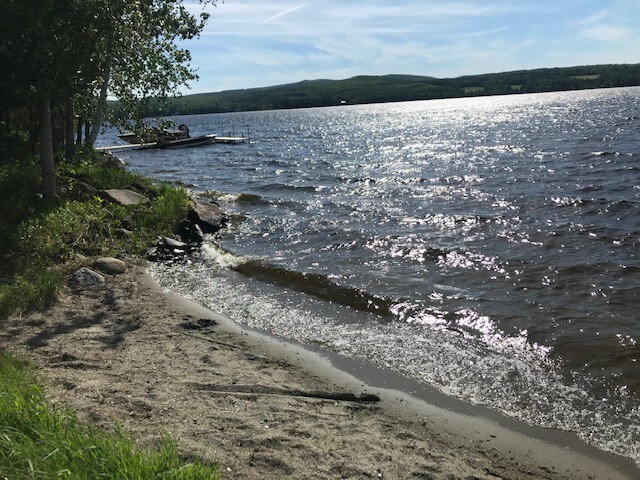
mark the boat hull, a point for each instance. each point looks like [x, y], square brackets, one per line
[187, 142]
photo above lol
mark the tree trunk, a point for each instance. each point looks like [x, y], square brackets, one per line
[68, 132]
[79, 131]
[57, 130]
[102, 101]
[33, 128]
[49, 190]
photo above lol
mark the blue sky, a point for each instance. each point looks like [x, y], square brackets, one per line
[252, 43]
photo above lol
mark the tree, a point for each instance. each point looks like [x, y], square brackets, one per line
[142, 57]
[53, 52]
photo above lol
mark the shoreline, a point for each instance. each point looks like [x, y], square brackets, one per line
[132, 353]
[473, 423]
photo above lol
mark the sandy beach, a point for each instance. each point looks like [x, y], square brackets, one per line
[129, 353]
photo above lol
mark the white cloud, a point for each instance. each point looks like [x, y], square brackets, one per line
[250, 43]
[607, 32]
[594, 18]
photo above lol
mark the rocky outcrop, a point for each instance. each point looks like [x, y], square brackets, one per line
[207, 215]
[124, 196]
[170, 250]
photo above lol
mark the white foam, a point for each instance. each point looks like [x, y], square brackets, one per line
[216, 254]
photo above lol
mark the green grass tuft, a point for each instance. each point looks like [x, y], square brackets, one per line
[40, 441]
[23, 294]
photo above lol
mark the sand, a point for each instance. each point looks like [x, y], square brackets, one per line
[129, 353]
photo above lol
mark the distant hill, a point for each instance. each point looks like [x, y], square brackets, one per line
[396, 88]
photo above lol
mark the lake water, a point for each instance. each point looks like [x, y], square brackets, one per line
[484, 246]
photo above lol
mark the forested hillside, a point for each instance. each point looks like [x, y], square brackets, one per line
[394, 88]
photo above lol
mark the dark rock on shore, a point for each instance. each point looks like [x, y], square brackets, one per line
[207, 215]
[170, 250]
[189, 232]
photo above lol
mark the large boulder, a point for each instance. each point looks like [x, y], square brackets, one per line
[207, 215]
[110, 265]
[125, 197]
[86, 277]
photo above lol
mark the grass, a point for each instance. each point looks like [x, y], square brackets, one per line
[40, 246]
[41, 441]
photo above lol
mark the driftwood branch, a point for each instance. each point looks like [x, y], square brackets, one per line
[265, 390]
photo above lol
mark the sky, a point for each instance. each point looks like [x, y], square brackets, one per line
[253, 43]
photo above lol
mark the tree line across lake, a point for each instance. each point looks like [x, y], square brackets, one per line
[396, 88]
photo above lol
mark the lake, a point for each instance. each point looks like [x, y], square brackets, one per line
[487, 247]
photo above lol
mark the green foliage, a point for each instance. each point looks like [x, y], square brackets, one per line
[19, 186]
[144, 54]
[102, 177]
[395, 88]
[22, 294]
[39, 247]
[73, 227]
[40, 441]
[170, 206]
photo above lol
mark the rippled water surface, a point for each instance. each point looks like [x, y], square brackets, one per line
[486, 246]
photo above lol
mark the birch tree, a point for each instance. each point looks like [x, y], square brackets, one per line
[55, 51]
[142, 56]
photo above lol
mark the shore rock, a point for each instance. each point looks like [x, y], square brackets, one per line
[174, 244]
[207, 215]
[170, 250]
[86, 277]
[124, 196]
[110, 161]
[122, 232]
[110, 265]
[189, 232]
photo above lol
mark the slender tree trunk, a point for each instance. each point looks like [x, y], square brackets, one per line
[102, 101]
[33, 128]
[57, 130]
[79, 131]
[68, 133]
[49, 190]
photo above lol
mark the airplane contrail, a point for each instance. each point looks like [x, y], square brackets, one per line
[286, 12]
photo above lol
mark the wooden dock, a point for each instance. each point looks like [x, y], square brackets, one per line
[231, 139]
[124, 147]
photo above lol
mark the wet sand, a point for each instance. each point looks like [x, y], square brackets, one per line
[260, 407]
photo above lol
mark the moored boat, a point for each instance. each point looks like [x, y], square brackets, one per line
[187, 142]
[156, 135]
